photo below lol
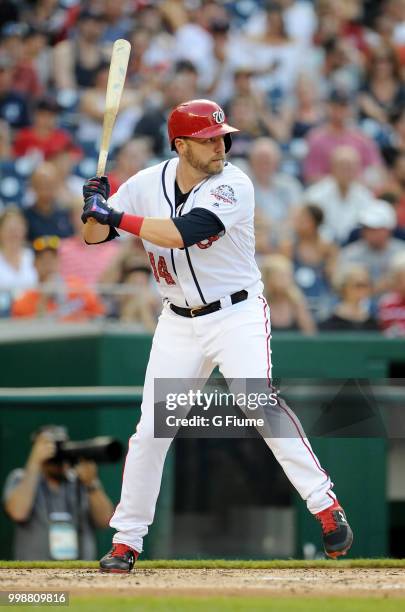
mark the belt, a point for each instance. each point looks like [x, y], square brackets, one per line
[199, 311]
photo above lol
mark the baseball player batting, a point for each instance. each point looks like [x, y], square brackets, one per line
[195, 214]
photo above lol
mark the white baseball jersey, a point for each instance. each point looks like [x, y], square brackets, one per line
[211, 269]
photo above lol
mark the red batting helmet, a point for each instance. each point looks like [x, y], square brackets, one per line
[199, 119]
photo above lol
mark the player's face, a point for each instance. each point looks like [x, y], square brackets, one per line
[207, 155]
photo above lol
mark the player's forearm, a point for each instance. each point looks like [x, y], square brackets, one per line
[95, 232]
[161, 232]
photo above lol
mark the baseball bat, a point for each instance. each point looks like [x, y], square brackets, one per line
[115, 85]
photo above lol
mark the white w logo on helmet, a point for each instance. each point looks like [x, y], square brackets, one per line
[219, 115]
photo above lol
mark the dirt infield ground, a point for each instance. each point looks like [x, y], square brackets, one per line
[301, 582]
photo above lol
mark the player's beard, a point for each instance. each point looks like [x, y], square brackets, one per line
[205, 167]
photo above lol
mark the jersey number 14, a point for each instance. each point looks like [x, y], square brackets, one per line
[160, 271]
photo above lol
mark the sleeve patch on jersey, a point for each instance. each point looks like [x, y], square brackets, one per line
[223, 194]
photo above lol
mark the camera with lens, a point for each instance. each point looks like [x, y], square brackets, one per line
[102, 449]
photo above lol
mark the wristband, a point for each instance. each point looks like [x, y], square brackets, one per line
[131, 223]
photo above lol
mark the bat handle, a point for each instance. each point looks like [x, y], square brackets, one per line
[102, 162]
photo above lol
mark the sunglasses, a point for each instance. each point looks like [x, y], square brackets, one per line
[46, 242]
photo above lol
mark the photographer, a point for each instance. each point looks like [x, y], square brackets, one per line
[56, 508]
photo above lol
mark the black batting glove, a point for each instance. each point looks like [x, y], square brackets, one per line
[96, 207]
[96, 184]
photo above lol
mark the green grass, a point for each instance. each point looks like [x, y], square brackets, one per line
[227, 604]
[215, 564]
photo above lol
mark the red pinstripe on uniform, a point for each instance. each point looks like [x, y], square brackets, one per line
[284, 408]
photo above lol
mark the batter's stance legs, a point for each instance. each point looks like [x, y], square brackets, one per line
[237, 340]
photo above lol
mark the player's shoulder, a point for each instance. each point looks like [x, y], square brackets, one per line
[230, 187]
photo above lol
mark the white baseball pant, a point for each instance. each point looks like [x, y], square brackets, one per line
[237, 339]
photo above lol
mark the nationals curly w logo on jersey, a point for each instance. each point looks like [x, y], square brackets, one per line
[223, 193]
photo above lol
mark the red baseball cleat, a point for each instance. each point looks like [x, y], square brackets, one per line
[337, 534]
[120, 560]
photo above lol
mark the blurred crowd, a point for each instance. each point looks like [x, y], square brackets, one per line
[317, 90]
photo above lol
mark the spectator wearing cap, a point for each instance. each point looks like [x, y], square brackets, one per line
[77, 59]
[44, 217]
[56, 298]
[338, 131]
[340, 194]
[376, 246]
[13, 105]
[44, 136]
[353, 285]
[391, 308]
[55, 508]
[277, 194]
